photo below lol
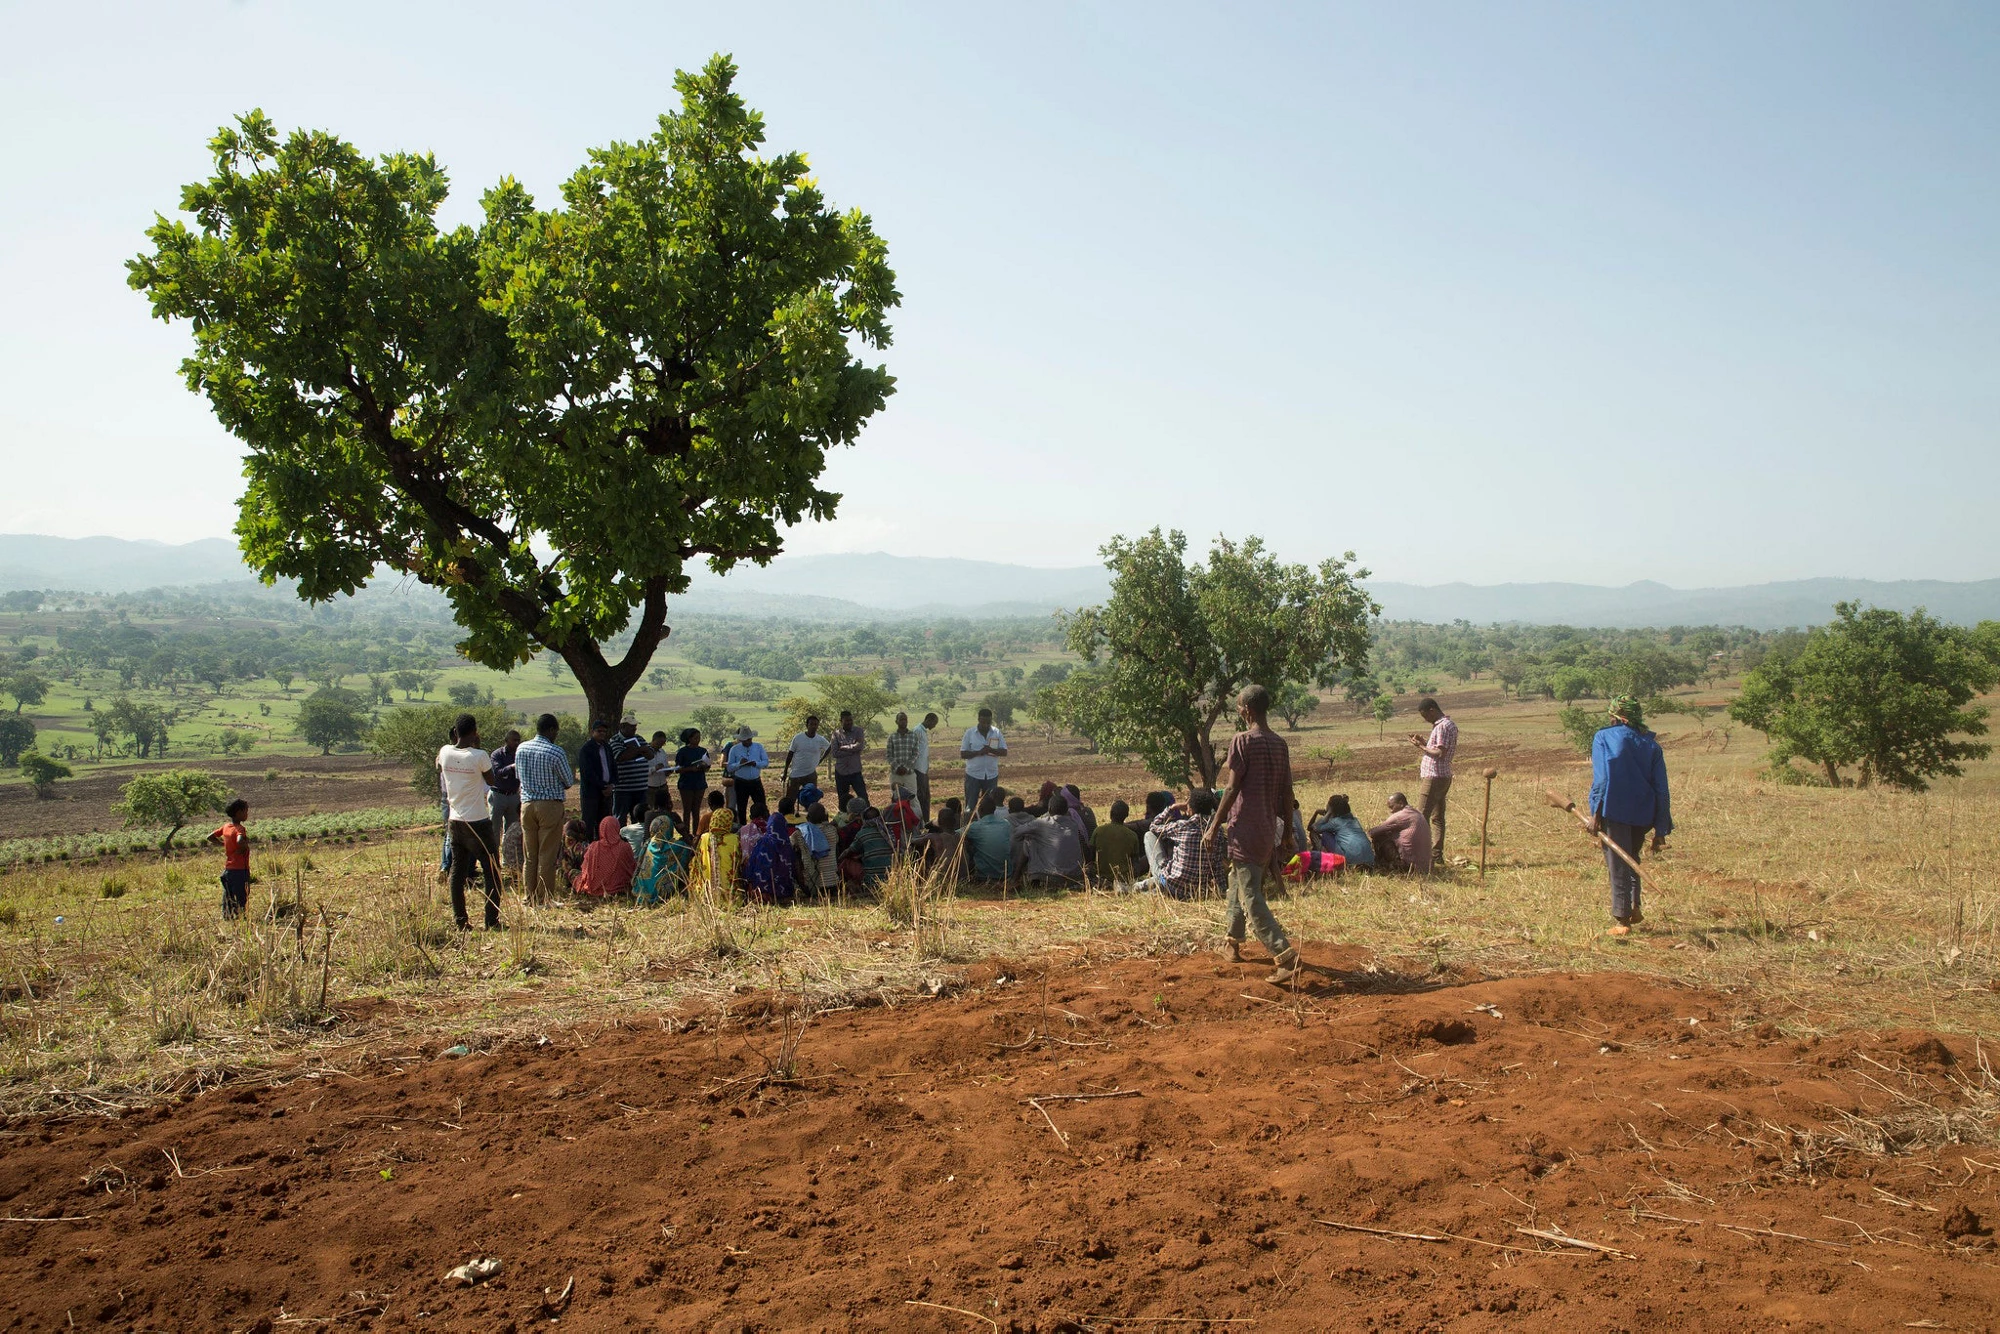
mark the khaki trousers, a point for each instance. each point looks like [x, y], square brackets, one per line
[541, 844]
[1431, 794]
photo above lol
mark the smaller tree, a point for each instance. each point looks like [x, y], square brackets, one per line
[283, 677]
[863, 696]
[27, 688]
[16, 735]
[171, 797]
[42, 773]
[716, 723]
[1385, 709]
[331, 717]
[1003, 703]
[1877, 689]
[412, 734]
[1294, 702]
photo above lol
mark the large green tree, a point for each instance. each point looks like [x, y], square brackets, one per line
[549, 415]
[1176, 642]
[1875, 689]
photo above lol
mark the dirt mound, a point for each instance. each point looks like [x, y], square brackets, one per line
[1050, 1146]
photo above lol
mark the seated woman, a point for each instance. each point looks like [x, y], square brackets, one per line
[576, 842]
[770, 867]
[1340, 832]
[718, 859]
[608, 864]
[663, 868]
[817, 867]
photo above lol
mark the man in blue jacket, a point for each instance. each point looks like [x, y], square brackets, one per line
[1628, 797]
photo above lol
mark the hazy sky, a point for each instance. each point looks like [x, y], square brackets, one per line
[1703, 293]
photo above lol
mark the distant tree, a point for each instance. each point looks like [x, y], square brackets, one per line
[378, 689]
[657, 678]
[407, 679]
[412, 735]
[465, 694]
[171, 797]
[1003, 703]
[427, 682]
[27, 688]
[1384, 709]
[1292, 702]
[1569, 684]
[1877, 689]
[283, 677]
[331, 717]
[1175, 643]
[862, 696]
[716, 723]
[42, 773]
[146, 725]
[1074, 704]
[456, 405]
[16, 735]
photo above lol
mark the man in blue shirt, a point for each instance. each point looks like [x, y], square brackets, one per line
[544, 774]
[1628, 797]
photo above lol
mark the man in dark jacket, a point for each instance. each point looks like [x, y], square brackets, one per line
[597, 774]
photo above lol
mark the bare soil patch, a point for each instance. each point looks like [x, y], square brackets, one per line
[899, 1178]
[305, 785]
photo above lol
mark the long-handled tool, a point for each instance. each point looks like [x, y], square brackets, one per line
[1562, 803]
[1484, 812]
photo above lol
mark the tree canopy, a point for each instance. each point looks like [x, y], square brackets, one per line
[332, 717]
[171, 797]
[1176, 642]
[1877, 689]
[549, 415]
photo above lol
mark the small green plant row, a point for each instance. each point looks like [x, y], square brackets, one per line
[72, 847]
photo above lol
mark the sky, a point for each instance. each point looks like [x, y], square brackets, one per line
[1704, 293]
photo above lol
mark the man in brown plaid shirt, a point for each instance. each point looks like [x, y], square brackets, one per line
[1257, 805]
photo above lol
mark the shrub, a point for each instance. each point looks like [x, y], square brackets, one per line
[171, 798]
[42, 773]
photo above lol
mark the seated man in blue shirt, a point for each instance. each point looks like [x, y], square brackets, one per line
[1628, 797]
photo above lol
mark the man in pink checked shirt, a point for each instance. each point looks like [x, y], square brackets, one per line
[1435, 770]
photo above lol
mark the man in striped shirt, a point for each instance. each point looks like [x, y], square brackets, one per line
[1434, 770]
[633, 757]
[545, 777]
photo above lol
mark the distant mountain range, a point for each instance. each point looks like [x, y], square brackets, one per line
[877, 586]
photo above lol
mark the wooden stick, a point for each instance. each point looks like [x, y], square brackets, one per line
[955, 1310]
[1034, 1103]
[1432, 1236]
[1082, 1097]
[1484, 812]
[1788, 1236]
[1580, 1243]
[1563, 803]
[64, 1218]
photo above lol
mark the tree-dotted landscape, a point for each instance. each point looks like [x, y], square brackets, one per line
[486, 459]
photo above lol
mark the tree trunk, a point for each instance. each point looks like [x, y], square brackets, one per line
[606, 684]
[1832, 773]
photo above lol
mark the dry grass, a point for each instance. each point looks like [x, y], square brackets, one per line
[1839, 909]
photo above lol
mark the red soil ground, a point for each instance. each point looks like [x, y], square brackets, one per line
[901, 1181]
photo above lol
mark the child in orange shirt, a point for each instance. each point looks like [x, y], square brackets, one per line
[235, 841]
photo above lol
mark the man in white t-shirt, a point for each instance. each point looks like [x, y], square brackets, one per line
[923, 731]
[463, 770]
[802, 761]
[982, 749]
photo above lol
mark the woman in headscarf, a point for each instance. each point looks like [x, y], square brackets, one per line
[770, 867]
[608, 864]
[664, 866]
[718, 857]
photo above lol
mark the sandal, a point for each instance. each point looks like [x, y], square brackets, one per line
[1621, 929]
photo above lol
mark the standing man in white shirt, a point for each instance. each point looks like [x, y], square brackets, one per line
[463, 769]
[982, 749]
[802, 761]
[923, 731]
[1434, 770]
